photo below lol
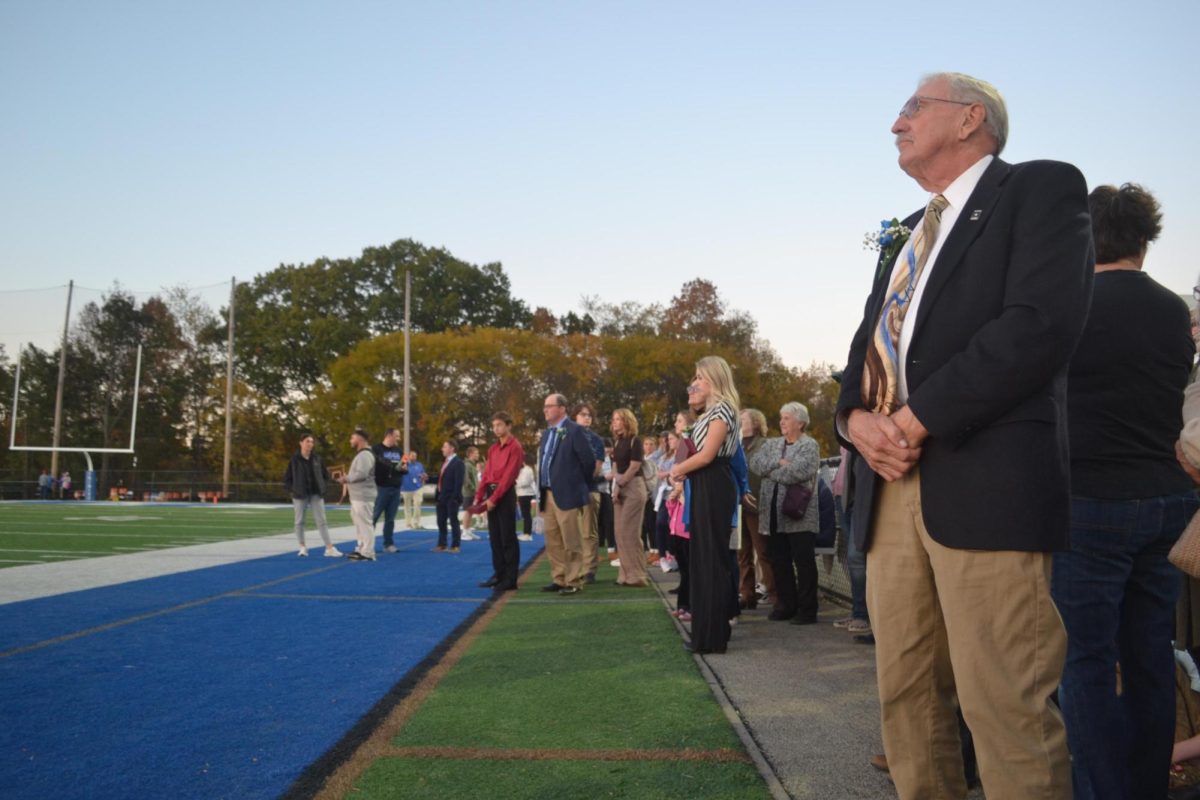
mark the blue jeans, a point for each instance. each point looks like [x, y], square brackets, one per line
[387, 503]
[856, 567]
[1116, 593]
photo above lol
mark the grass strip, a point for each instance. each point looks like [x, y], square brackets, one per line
[420, 779]
[590, 694]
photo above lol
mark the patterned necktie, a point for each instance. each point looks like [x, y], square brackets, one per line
[551, 439]
[881, 369]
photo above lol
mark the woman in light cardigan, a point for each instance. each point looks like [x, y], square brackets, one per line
[783, 462]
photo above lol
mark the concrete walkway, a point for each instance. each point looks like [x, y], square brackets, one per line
[807, 697]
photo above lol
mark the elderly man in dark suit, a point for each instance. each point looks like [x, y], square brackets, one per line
[449, 497]
[566, 465]
[955, 397]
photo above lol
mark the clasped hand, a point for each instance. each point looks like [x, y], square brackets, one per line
[890, 445]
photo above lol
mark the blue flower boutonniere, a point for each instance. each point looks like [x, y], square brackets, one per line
[888, 240]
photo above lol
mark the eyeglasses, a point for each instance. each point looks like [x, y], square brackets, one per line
[913, 106]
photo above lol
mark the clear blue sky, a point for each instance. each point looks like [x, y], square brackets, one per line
[610, 148]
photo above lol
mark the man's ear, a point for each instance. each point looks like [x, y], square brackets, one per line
[973, 118]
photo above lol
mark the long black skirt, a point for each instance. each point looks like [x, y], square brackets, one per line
[714, 603]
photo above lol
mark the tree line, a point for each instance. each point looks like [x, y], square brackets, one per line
[319, 347]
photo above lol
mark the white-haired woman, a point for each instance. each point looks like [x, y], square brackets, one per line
[714, 497]
[790, 463]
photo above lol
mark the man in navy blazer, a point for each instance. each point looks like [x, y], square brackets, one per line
[566, 465]
[955, 397]
[449, 497]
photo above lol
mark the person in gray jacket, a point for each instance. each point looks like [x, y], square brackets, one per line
[305, 480]
[783, 462]
[360, 480]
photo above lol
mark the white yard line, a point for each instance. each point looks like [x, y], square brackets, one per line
[48, 579]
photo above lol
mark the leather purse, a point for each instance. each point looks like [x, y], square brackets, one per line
[1185, 553]
[796, 500]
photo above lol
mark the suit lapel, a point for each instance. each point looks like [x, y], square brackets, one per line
[970, 223]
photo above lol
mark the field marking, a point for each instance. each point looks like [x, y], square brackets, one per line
[67, 637]
[387, 598]
[340, 783]
[43, 550]
[232, 536]
[724, 755]
[18, 561]
[106, 518]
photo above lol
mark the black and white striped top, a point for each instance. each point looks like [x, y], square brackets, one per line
[727, 414]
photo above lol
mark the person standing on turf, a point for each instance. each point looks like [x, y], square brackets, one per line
[361, 481]
[390, 469]
[449, 497]
[305, 480]
[566, 466]
[497, 495]
[412, 489]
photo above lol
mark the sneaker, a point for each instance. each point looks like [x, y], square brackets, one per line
[844, 622]
[302, 552]
[859, 626]
[467, 536]
[391, 548]
[521, 537]
[332, 552]
[616, 562]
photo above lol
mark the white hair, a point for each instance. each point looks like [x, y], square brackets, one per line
[973, 90]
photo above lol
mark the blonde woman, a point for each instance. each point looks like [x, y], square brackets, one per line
[714, 497]
[629, 498]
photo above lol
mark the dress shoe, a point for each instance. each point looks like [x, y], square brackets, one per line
[803, 620]
[590, 578]
[455, 549]
[867, 638]
[504, 587]
[489, 583]
[569, 590]
[779, 615]
[552, 587]
[673, 591]
[441, 548]
[702, 650]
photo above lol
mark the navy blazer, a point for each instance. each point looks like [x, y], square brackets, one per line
[571, 470]
[452, 482]
[1001, 314]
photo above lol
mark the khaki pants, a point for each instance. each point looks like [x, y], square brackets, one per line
[412, 509]
[629, 508]
[589, 533]
[563, 545]
[970, 628]
[361, 512]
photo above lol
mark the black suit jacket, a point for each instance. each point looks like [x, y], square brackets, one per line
[1000, 317]
[571, 470]
[450, 491]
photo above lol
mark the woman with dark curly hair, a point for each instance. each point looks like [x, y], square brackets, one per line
[1130, 500]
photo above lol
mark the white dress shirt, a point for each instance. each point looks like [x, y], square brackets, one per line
[956, 194]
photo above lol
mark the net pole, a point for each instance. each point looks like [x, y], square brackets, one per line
[228, 393]
[407, 319]
[58, 394]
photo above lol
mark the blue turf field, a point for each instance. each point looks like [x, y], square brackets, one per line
[219, 683]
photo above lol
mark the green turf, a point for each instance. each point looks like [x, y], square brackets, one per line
[33, 533]
[603, 670]
[433, 779]
[574, 673]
